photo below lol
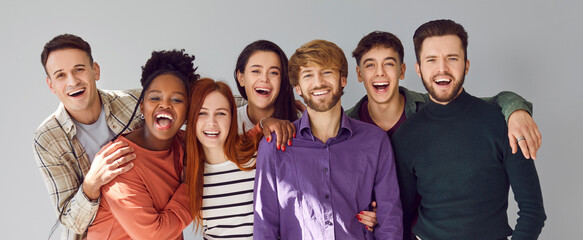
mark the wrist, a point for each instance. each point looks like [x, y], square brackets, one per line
[90, 191]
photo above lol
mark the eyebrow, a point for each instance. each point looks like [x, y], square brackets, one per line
[158, 91]
[60, 70]
[257, 65]
[372, 59]
[225, 109]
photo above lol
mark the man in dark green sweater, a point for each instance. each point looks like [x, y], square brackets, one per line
[455, 153]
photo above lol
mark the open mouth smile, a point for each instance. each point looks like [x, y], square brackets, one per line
[164, 120]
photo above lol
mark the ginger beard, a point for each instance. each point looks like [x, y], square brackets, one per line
[325, 104]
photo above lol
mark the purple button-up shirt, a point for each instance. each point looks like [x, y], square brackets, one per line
[314, 190]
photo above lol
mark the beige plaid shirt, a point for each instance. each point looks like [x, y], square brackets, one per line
[63, 162]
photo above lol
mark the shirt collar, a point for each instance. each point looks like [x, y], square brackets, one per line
[306, 131]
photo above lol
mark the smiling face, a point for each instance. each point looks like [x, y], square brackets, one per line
[261, 79]
[320, 88]
[442, 67]
[380, 70]
[214, 121]
[164, 107]
[73, 78]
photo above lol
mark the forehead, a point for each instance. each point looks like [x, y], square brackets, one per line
[215, 100]
[380, 53]
[167, 83]
[66, 58]
[264, 58]
[440, 45]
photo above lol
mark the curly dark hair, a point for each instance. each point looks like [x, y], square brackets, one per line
[175, 62]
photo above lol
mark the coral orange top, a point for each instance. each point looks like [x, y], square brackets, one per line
[147, 202]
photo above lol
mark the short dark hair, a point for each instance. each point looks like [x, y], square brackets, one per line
[378, 39]
[64, 41]
[440, 27]
[285, 102]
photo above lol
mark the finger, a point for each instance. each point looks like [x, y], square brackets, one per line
[366, 223]
[267, 134]
[532, 142]
[290, 132]
[120, 170]
[120, 152]
[524, 148]
[513, 144]
[278, 139]
[374, 206]
[366, 220]
[125, 159]
[285, 134]
[111, 147]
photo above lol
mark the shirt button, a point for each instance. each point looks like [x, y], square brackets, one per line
[328, 223]
[325, 169]
[327, 196]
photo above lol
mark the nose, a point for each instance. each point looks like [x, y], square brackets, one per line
[166, 103]
[263, 76]
[380, 71]
[443, 66]
[72, 80]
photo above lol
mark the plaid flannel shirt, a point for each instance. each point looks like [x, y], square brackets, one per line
[63, 162]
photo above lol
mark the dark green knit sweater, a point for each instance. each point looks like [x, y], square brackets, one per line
[458, 159]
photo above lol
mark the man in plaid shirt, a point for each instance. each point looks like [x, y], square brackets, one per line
[68, 144]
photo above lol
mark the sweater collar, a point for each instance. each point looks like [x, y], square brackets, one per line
[457, 106]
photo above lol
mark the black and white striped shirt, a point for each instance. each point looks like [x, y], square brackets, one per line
[227, 205]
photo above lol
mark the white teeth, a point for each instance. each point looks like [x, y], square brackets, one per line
[263, 89]
[211, 133]
[75, 92]
[164, 115]
[380, 84]
[442, 80]
[319, 93]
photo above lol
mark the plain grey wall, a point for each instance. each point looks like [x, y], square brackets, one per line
[530, 47]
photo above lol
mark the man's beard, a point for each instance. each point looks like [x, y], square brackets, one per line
[324, 106]
[449, 96]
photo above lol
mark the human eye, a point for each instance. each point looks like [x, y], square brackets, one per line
[222, 113]
[390, 64]
[430, 60]
[177, 100]
[202, 113]
[154, 98]
[453, 59]
[79, 70]
[274, 73]
[307, 75]
[255, 71]
[369, 65]
[59, 75]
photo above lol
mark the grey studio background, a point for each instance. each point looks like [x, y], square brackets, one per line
[530, 47]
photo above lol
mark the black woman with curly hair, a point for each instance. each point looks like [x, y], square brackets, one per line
[151, 201]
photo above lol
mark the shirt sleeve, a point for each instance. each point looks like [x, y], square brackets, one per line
[509, 102]
[266, 217]
[132, 206]
[527, 193]
[65, 190]
[386, 188]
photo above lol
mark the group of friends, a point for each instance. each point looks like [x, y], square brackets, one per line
[145, 163]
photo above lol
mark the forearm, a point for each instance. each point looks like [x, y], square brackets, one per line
[527, 193]
[509, 102]
[68, 198]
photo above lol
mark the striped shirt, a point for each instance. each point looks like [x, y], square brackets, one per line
[63, 162]
[227, 205]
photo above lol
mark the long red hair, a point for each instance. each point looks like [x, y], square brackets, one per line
[238, 149]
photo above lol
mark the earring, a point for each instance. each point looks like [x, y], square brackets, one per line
[142, 116]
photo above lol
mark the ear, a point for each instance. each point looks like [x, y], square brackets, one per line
[467, 66]
[240, 78]
[358, 74]
[96, 71]
[343, 82]
[403, 69]
[418, 70]
[50, 84]
[298, 89]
